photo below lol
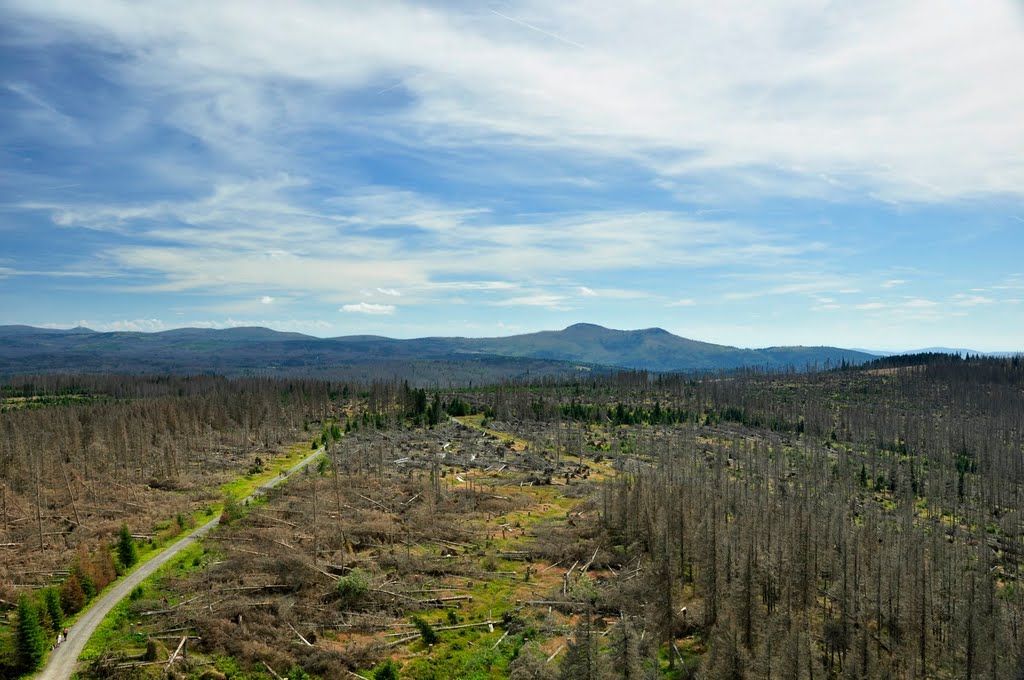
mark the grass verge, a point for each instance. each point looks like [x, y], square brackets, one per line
[165, 536]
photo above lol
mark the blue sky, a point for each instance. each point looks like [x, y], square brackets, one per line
[797, 172]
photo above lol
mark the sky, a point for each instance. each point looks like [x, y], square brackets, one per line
[774, 173]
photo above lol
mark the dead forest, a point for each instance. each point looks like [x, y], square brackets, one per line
[81, 454]
[860, 523]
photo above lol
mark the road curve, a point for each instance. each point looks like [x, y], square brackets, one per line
[62, 661]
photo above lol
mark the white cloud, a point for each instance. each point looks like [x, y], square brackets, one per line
[685, 302]
[799, 96]
[131, 325]
[266, 300]
[614, 293]
[892, 283]
[368, 308]
[549, 301]
[906, 309]
[788, 284]
[964, 300]
[1011, 282]
[157, 325]
[251, 235]
[446, 286]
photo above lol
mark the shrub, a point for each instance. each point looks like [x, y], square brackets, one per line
[352, 587]
[427, 631]
[155, 650]
[531, 664]
[388, 670]
[296, 673]
[232, 510]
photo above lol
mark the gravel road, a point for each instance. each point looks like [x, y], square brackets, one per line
[63, 660]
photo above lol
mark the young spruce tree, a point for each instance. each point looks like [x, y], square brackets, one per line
[30, 643]
[126, 551]
[51, 599]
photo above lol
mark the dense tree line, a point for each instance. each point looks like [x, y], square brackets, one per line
[73, 470]
[155, 429]
[800, 568]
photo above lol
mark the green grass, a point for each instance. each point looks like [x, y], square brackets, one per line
[466, 654]
[243, 486]
[470, 652]
[476, 422]
[112, 632]
[463, 653]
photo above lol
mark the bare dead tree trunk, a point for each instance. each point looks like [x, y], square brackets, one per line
[316, 483]
[71, 496]
[39, 510]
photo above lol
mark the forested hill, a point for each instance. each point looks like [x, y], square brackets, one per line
[656, 349]
[24, 349]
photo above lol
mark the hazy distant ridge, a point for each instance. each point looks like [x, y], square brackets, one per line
[25, 349]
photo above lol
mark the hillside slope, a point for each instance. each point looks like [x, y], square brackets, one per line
[246, 350]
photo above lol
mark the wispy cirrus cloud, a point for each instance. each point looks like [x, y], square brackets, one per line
[906, 308]
[785, 284]
[549, 301]
[247, 235]
[966, 300]
[797, 94]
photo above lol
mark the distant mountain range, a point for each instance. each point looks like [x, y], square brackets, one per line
[236, 351]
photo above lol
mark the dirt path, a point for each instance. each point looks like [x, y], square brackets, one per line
[62, 662]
